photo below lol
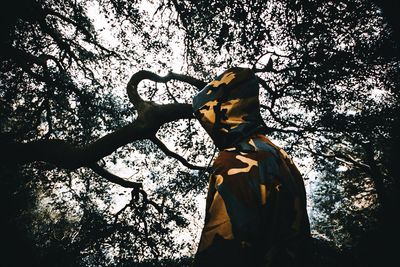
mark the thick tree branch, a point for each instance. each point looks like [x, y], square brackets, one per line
[136, 78]
[63, 154]
[68, 156]
[376, 174]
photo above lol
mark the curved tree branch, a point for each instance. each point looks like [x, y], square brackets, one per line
[297, 129]
[136, 78]
[170, 153]
[114, 178]
[151, 117]
[66, 155]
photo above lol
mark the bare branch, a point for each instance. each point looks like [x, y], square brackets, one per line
[170, 153]
[114, 178]
[342, 158]
[66, 155]
[23, 57]
[147, 75]
[89, 36]
[137, 195]
[297, 130]
[170, 94]
[268, 67]
[150, 118]
[268, 88]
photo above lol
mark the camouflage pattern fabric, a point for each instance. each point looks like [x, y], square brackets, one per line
[256, 203]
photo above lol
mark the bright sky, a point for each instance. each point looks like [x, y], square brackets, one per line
[177, 65]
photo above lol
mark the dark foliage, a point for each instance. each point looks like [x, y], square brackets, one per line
[331, 99]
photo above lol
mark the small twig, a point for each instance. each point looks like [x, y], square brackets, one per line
[135, 197]
[170, 94]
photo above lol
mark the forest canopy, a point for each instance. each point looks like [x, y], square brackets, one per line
[103, 163]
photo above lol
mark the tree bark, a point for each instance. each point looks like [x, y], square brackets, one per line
[151, 117]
